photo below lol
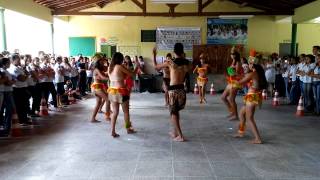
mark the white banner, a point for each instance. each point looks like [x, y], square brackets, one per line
[168, 36]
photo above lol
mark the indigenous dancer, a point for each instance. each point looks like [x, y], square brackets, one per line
[202, 79]
[166, 77]
[177, 95]
[129, 79]
[118, 92]
[99, 88]
[229, 95]
[257, 82]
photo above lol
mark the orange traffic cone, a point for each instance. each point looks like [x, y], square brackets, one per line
[300, 108]
[43, 108]
[275, 101]
[264, 95]
[196, 89]
[212, 90]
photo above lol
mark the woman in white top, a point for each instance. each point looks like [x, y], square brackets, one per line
[316, 84]
[270, 74]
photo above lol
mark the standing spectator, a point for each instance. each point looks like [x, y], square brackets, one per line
[67, 69]
[270, 74]
[83, 76]
[59, 79]
[316, 84]
[300, 77]
[295, 89]
[285, 76]
[89, 74]
[279, 82]
[74, 74]
[20, 93]
[33, 87]
[8, 102]
[307, 83]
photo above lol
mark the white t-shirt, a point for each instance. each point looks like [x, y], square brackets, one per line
[59, 76]
[270, 73]
[7, 88]
[300, 68]
[286, 68]
[16, 72]
[293, 72]
[306, 68]
[316, 71]
[30, 80]
[46, 68]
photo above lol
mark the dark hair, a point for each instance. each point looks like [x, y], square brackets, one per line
[15, 57]
[4, 61]
[140, 57]
[117, 58]
[236, 57]
[245, 61]
[130, 64]
[262, 77]
[316, 47]
[311, 57]
[178, 49]
[98, 65]
[169, 55]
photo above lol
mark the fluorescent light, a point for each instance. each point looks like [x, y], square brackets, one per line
[236, 16]
[107, 17]
[175, 1]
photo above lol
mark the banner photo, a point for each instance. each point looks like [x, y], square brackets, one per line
[168, 36]
[227, 31]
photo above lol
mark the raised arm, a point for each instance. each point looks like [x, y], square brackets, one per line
[157, 66]
[101, 75]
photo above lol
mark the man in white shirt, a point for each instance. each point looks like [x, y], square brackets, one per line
[59, 79]
[20, 93]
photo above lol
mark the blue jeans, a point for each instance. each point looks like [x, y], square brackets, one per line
[294, 92]
[307, 89]
[300, 85]
[316, 93]
[7, 109]
[286, 84]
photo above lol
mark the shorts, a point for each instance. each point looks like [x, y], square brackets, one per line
[60, 88]
[177, 98]
[118, 95]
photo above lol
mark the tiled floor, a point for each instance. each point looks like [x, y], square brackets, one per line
[67, 146]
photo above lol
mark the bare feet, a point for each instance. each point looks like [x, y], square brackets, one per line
[173, 135]
[131, 130]
[115, 135]
[204, 101]
[238, 135]
[256, 141]
[95, 121]
[233, 118]
[179, 139]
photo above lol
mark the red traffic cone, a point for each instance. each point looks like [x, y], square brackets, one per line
[275, 101]
[212, 90]
[300, 108]
[43, 108]
[196, 89]
[264, 95]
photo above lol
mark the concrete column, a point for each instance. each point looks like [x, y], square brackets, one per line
[3, 30]
[293, 40]
[52, 37]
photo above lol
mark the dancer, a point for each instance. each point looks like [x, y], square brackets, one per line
[166, 77]
[202, 79]
[257, 82]
[99, 87]
[235, 73]
[177, 95]
[119, 93]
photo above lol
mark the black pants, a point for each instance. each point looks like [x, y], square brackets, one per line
[20, 96]
[89, 81]
[35, 92]
[48, 88]
[74, 81]
[83, 82]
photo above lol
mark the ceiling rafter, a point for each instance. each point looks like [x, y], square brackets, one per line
[76, 6]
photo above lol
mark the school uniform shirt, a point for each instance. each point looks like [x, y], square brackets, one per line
[74, 71]
[67, 71]
[90, 70]
[316, 71]
[16, 71]
[30, 80]
[44, 78]
[300, 68]
[306, 68]
[59, 76]
[7, 88]
[286, 68]
[293, 72]
[270, 73]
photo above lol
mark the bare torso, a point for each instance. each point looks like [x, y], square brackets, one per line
[177, 73]
[117, 77]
